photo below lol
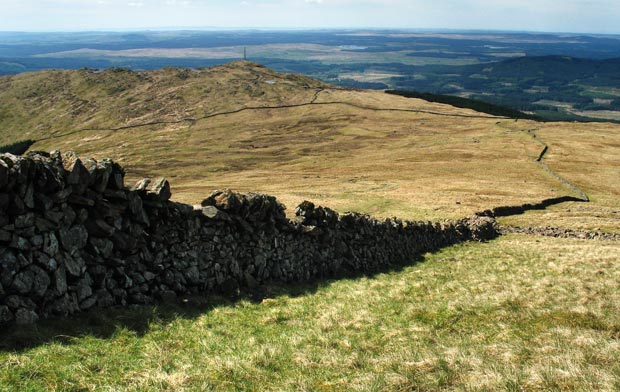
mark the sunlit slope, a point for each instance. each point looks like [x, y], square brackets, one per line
[46, 103]
[589, 156]
[246, 127]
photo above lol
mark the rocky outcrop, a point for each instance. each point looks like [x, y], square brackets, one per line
[74, 237]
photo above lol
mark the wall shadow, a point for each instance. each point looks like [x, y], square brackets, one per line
[105, 323]
[521, 209]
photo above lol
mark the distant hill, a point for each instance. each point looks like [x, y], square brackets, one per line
[553, 87]
[553, 68]
[41, 104]
[553, 76]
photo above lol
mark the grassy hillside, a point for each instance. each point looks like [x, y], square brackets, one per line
[248, 128]
[522, 312]
[45, 104]
[519, 313]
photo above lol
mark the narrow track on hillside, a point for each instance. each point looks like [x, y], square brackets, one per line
[541, 161]
[274, 107]
[548, 231]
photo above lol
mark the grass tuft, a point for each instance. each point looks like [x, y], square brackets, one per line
[518, 313]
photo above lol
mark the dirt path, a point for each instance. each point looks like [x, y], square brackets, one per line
[258, 108]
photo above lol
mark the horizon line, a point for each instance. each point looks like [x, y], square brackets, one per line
[292, 29]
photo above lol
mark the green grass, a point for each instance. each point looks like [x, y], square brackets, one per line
[519, 313]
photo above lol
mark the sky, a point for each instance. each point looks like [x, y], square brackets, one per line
[595, 16]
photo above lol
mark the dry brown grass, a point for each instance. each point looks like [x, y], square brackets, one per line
[518, 313]
[589, 156]
[341, 152]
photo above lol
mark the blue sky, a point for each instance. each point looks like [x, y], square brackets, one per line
[596, 16]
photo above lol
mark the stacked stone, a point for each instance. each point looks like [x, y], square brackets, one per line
[73, 237]
[64, 224]
[558, 232]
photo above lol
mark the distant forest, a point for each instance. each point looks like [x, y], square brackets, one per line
[479, 106]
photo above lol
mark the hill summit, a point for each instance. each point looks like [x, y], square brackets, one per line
[37, 105]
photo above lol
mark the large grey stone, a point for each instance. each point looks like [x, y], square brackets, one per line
[25, 317]
[5, 236]
[76, 172]
[75, 264]
[25, 220]
[88, 302]
[102, 174]
[74, 238]
[102, 246]
[225, 200]
[213, 212]
[142, 185]
[23, 282]
[41, 281]
[65, 305]
[50, 244]
[159, 188]
[117, 177]
[21, 243]
[9, 265]
[84, 289]
[60, 280]
[4, 174]
[192, 275]
[104, 298]
[6, 316]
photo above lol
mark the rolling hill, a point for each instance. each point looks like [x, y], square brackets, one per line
[246, 127]
[517, 313]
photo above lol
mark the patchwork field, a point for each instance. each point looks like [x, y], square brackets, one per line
[346, 54]
[522, 312]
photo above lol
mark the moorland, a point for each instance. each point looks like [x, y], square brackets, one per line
[520, 312]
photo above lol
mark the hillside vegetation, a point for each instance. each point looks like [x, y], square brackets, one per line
[519, 313]
[552, 87]
[245, 127]
[522, 312]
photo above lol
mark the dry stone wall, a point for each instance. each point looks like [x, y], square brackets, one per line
[74, 237]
